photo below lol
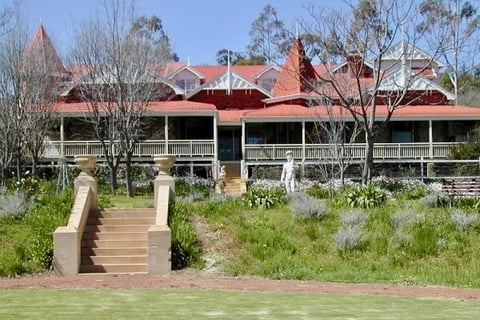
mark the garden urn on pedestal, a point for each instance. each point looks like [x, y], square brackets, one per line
[164, 164]
[86, 163]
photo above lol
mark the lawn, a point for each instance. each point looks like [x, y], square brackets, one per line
[217, 304]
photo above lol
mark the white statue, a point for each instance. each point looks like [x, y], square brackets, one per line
[288, 173]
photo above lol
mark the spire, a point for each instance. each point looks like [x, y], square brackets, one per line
[296, 72]
[42, 51]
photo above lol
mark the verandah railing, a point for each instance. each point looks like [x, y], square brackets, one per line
[354, 151]
[179, 148]
[259, 152]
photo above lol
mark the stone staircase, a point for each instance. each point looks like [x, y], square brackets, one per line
[115, 241]
[234, 183]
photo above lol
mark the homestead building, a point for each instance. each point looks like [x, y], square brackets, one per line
[249, 115]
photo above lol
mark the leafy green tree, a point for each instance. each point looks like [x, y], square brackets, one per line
[223, 55]
[151, 30]
[453, 24]
[268, 36]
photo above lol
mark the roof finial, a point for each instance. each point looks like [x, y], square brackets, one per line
[229, 74]
[188, 61]
[296, 30]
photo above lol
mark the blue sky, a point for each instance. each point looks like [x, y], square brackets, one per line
[197, 28]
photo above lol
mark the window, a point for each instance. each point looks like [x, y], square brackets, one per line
[268, 84]
[188, 85]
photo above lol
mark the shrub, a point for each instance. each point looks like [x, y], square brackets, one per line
[185, 245]
[193, 188]
[319, 192]
[402, 218]
[354, 217]
[104, 201]
[365, 196]
[348, 238]
[14, 204]
[43, 220]
[304, 206]
[412, 190]
[462, 220]
[29, 185]
[435, 199]
[387, 183]
[264, 198]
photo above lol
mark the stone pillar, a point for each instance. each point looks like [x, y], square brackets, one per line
[164, 164]
[85, 178]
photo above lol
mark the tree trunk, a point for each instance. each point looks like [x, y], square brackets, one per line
[128, 171]
[113, 179]
[34, 165]
[19, 167]
[368, 164]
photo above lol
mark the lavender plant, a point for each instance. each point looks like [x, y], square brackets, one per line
[354, 218]
[462, 220]
[304, 206]
[348, 237]
[15, 203]
[435, 199]
[402, 218]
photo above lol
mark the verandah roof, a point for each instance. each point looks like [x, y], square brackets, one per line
[181, 106]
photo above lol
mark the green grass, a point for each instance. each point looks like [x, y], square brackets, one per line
[120, 201]
[204, 304]
[274, 244]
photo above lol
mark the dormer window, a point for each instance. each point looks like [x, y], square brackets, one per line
[268, 84]
[188, 85]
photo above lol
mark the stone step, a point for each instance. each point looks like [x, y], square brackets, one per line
[114, 268]
[121, 221]
[122, 213]
[112, 260]
[114, 251]
[116, 228]
[114, 243]
[115, 235]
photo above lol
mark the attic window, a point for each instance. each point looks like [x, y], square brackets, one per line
[268, 84]
[188, 85]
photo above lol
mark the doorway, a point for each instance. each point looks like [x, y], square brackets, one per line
[229, 143]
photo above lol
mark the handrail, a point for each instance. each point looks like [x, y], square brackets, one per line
[67, 240]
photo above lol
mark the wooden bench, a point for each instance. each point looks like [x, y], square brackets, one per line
[462, 187]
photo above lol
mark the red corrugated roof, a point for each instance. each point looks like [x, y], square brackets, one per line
[295, 73]
[230, 115]
[246, 71]
[180, 105]
[156, 106]
[412, 111]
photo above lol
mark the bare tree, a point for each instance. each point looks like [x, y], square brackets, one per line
[453, 24]
[28, 90]
[11, 46]
[331, 127]
[125, 62]
[366, 31]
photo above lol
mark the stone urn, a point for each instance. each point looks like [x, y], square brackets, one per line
[86, 163]
[164, 163]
